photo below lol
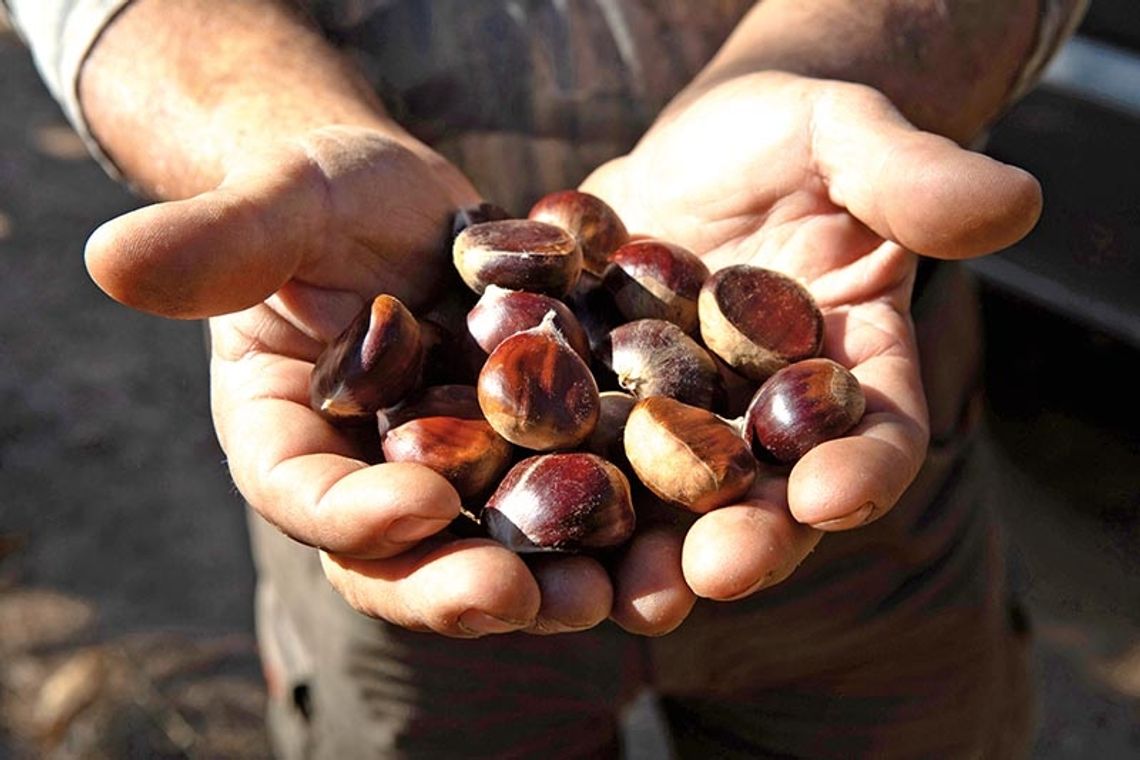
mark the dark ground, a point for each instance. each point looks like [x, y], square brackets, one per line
[125, 581]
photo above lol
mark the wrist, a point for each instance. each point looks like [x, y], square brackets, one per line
[950, 67]
[179, 92]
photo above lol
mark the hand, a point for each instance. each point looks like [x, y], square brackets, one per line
[282, 255]
[827, 182]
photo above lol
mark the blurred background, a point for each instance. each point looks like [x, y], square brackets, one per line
[125, 581]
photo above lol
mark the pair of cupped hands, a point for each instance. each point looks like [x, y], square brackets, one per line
[822, 180]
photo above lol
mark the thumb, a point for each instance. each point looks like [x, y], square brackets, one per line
[215, 253]
[918, 189]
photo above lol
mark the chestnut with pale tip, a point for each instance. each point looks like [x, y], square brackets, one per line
[597, 227]
[374, 363]
[520, 254]
[652, 357]
[687, 456]
[800, 407]
[500, 313]
[569, 502]
[758, 320]
[652, 279]
[536, 391]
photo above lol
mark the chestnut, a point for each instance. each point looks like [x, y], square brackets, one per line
[800, 407]
[500, 313]
[652, 357]
[597, 227]
[444, 429]
[758, 320]
[687, 456]
[595, 309]
[373, 364]
[608, 438]
[520, 254]
[652, 279]
[536, 391]
[568, 502]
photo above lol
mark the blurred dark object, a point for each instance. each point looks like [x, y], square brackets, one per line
[1079, 133]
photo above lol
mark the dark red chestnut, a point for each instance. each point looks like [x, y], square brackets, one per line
[800, 407]
[519, 254]
[652, 357]
[758, 320]
[442, 427]
[652, 279]
[536, 391]
[589, 219]
[373, 364]
[501, 313]
[687, 456]
[561, 503]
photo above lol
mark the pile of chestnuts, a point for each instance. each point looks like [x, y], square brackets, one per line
[584, 367]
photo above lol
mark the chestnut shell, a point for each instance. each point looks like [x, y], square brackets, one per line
[597, 227]
[800, 407]
[568, 502]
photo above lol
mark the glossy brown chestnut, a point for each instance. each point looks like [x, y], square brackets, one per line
[758, 320]
[652, 279]
[561, 503]
[536, 391]
[467, 452]
[451, 400]
[373, 364]
[652, 357]
[687, 456]
[519, 254]
[597, 227]
[800, 407]
[500, 313]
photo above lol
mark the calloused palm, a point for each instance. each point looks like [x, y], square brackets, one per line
[282, 255]
[827, 182]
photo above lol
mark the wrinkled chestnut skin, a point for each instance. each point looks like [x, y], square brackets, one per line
[373, 364]
[800, 407]
[536, 391]
[467, 452]
[597, 227]
[687, 456]
[519, 254]
[652, 357]
[500, 313]
[570, 502]
[652, 279]
[758, 320]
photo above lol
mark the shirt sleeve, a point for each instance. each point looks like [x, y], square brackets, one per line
[60, 34]
[1058, 21]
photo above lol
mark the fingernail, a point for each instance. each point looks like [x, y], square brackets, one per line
[853, 520]
[478, 622]
[409, 529]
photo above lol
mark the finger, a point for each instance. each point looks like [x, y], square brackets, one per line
[850, 481]
[216, 253]
[650, 594]
[576, 593]
[737, 550]
[918, 189]
[306, 476]
[464, 588]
